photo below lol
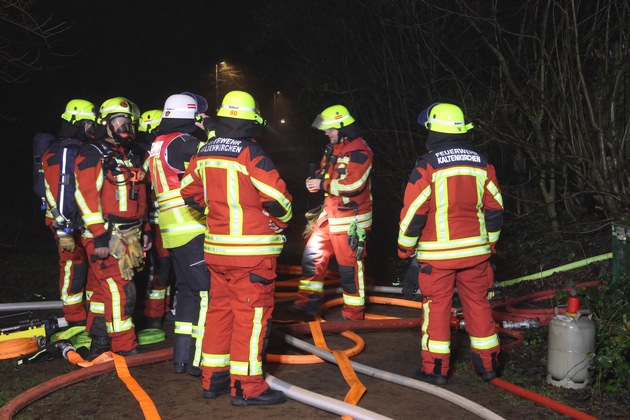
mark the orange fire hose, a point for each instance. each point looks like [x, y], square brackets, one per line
[41, 390]
[371, 322]
[541, 399]
[17, 347]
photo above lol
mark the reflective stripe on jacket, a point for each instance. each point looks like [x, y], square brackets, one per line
[236, 181]
[118, 191]
[178, 222]
[347, 185]
[453, 208]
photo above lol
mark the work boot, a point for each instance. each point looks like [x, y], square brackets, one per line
[99, 346]
[430, 379]
[194, 371]
[269, 397]
[488, 376]
[180, 367]
[215, 394]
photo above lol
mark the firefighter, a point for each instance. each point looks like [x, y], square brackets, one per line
[157, 293]
[111, 194]
[247, 206]
[340, 227]
[450, 222]
[77, 128]
[181, 227]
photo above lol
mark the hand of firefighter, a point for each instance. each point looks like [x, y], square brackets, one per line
[66, 242]
[272, 224]
[101, 252]
[126, 267]
[147, 240]
[410, 280]
[314, 184]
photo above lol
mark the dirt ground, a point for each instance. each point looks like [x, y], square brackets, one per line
[26, 272]
[179, 396]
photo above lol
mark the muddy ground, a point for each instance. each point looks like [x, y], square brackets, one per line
[396, 351]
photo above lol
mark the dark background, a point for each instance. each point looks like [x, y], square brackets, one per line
[146, 51]
[385, 60]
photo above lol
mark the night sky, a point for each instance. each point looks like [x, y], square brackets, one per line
[142, 50]
[138, 49]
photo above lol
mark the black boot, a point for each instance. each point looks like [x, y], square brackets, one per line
[99, 346]
[269, 397]
[181, 346]
[431, 379]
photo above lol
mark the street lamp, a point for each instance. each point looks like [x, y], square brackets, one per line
[216, 80]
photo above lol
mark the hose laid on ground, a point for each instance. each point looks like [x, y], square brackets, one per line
[7, 411]
[16, 404]
[540, 399]
[544, 316]
[321, 401]
[566, 267]
[307, 397]
[397, 379]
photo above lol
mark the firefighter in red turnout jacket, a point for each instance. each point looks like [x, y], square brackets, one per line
[247, 206]
[62, 216]
[182, 227]
[450, 222]
[346, 218]
[111, 193]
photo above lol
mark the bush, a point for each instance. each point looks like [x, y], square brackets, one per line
[610, 305]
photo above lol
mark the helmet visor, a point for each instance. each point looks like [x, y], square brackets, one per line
[424, 116]
[202, 104]
[318, 123]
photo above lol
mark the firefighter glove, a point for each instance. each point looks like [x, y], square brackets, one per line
[66, 241]
[410, 279]
[135, 251]
[126, 267]
[311, 220]
[116, 246]
[356, 239]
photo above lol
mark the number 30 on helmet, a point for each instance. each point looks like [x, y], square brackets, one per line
[240, 105]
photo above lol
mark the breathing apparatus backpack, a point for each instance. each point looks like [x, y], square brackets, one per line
[65, 151]
[41, 142]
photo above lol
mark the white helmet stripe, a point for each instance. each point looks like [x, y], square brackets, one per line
[442, 122]
[238, 108]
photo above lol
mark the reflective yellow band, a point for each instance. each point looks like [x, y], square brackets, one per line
[157, 294]
[484, 343]
[312, 285]
[97, 307]
[183, 328]
[440, 347]
[342, 224]
[243, 250]
[215, 360]
[455, 254]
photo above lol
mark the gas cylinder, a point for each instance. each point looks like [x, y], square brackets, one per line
[571, 345]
